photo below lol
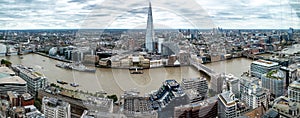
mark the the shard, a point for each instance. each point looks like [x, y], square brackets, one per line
[149, 31]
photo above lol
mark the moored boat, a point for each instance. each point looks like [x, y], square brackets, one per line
[74, 85]
[61, 82]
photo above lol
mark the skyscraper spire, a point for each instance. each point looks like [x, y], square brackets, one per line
[149, 30]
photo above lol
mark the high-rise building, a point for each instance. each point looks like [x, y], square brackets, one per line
[294, 91]
[252, 93]
[260, 67]
[232, 84]
[160, 41]
[290, 33]
[229, 106]
[217, 83]
[274, 81]
[135, 105]
[35, 80]
[54, 108]
[166, 93]
[10, 82]
[149, 31]
[199, 84]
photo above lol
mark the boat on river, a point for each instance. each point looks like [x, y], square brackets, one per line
[61, 82]
[136, 70]
[74, 85]
[78, 67]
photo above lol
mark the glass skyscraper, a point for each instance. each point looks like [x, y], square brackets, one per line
[149, 31]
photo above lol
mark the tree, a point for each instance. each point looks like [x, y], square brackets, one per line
[38, 104]
[114, 97]
[6, 62]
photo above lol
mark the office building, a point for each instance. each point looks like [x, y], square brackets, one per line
[260, 67]
[135, 105]
[34, 79]
[169, 48]
[294, 91]
[198, 84]
[10, 82]
[290, 75]
[290, 33]
[193, 95]
[54, 108]
[252, 93]
[229, 106]
[29, 111]
[32, 112]
[27, 99]
[168, 91]
[232, 84]
[204, 109]
[286, 108]
[184, 57]
[217, 83]
[99, 104]
[16, 99]
[160, 41]
[274, 81]
[149, 31]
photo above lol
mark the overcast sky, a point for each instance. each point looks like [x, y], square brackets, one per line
[69, 14]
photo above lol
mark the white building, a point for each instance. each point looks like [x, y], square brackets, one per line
[294, 91]
[260, 67]
[35, 80]
[198, 84]
[227, 105]
[252, 93]
[54, 108]
[233, 84]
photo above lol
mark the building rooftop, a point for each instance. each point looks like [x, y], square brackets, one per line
[295, 84]
[7, 71]
[231, 77]
[203, 103]
[265, 63]
[28, 71]
[100, 104]
[283, 105]
[271, 113]
[191, 93]
[171, 83]
[275, 74]
[135, 59]
[227, 98]
[54, 102]
[12, 94]
[6, 78]
[96, 114]
[193, 79]
[27, 96]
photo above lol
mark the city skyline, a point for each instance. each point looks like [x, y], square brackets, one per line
[102, 14]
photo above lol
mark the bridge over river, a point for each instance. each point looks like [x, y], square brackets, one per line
[216, 79]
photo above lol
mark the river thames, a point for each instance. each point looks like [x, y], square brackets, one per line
[116, 81]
